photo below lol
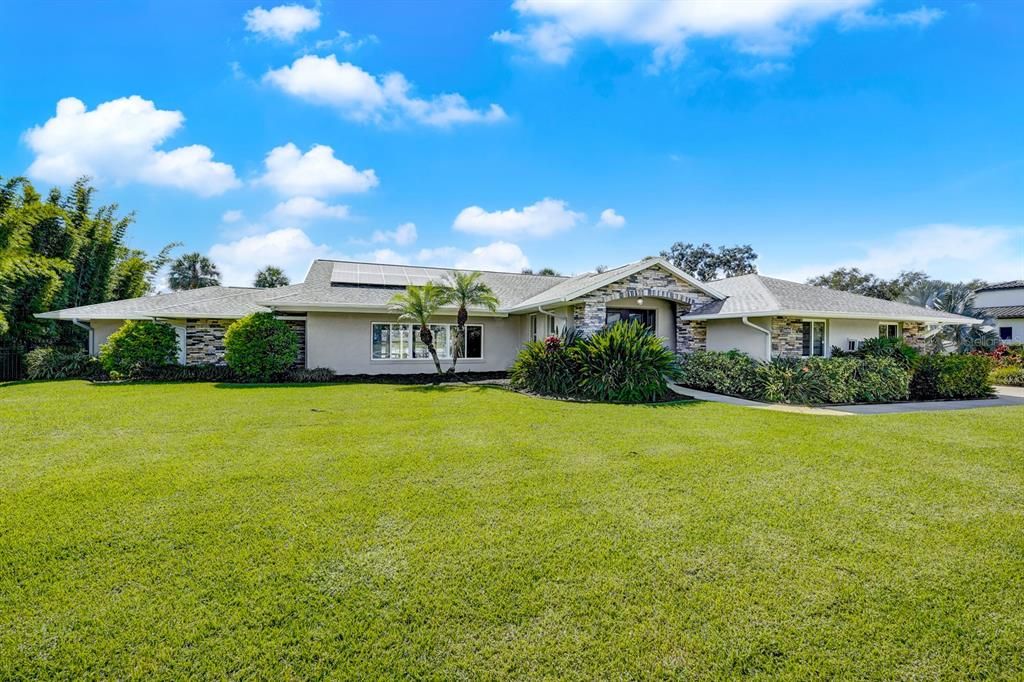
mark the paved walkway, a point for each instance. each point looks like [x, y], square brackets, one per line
[1005, 396]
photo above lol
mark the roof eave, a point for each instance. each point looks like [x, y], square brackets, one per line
[929, 319]
[372, 309]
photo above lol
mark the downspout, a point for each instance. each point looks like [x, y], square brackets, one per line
[767, 337]
[540, 309]
[87, 328]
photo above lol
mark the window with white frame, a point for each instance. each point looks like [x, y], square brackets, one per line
[888, 330]
[814, 338]
[396, 341]
[541, 326]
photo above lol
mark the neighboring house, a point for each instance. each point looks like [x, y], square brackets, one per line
[1003, 302]
[340, 313]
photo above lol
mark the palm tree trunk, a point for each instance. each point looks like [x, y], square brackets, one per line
[459, 335]
[428, 340]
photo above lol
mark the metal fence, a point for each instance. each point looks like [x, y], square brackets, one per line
[12, 364]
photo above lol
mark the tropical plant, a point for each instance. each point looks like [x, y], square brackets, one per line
[623, 363]
[790, 380]
[260, 347]
[963, 338]
[882, 347]
[192, 271]
[465, 290]
[139, 346]
[547, 367]
[418, 304]
[56, 363]
[271, 277]
[135, 272]
[1007, 376]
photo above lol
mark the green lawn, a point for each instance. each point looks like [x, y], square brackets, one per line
[358, 531]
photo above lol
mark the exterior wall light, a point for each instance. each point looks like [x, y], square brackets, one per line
[639, 301]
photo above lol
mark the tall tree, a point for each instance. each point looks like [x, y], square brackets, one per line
[192, 271]
[419, 304]
[464, 289]
[706, 263]
[135, 272]
[271, 277]
[856, 281]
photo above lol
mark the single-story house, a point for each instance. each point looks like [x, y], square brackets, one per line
[1004, 303]
[341, 315]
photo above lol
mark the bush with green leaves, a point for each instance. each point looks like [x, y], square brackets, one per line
[191, 373]
[880, 380]
[790, 380]
[730, 373]
[260, 347]
[57, 363]
[882, 347]
[624, 363]
[139, 346]
[951, 377]
[546, 367]
[316, 375]
[1007, 376]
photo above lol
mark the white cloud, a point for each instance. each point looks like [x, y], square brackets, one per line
[950, 252]
[314, 174]
[921, 17]
[232, 216]
[609, 218]
[403, 235]
[347, 42]
[542, 219]
[501, 256]
[552, 28]
[290, 249]
[364, 97]
[300, 210]
[117, 141]
[762, 69]
[386, 256]
[283, 22]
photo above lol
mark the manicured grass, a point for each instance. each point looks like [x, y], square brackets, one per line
[357, 531]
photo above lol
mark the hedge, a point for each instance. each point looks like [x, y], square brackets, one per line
[260, 347]
[951, 377]
[139, 346]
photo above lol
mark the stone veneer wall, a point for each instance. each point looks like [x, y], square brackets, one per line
[913, 335]
[787, 337]
[589, 312]
[204, 341]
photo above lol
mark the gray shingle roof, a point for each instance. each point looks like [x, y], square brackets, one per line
[1012, 284]
[760, 295]
[1002, 311]
[747, 295]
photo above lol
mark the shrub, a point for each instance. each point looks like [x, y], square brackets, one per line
[55, 363]
[1007, 376]
[790, 380]
[317, 375]
[837, 377]
[880, 380]
[951, 377]
[260, 347]
[1005, 355]
[203, 372]
[546, 367]
[882, 347]
[731, 373]
[139, 346]
[625, 363]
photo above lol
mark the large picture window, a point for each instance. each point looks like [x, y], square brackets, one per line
[616, 315]
[814, 338]
[888, 330]
[391, 341]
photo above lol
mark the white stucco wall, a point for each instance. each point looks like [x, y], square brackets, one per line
[840, 331]
[1016, 324]
[101, 331]
[342, 342]
[726, 335]
[999, 297]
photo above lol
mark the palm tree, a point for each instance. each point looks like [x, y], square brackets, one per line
[465, 289]
[192, 271]
[959, 299]
[271, 277]
[418, 304]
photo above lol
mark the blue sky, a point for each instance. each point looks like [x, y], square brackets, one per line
[540, 133]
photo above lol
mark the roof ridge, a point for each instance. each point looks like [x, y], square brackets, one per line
[443, 269]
